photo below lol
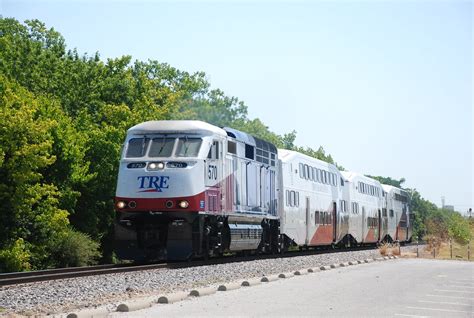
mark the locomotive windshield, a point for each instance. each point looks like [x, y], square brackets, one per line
[163, 147]
[137, 147]
[188, 147]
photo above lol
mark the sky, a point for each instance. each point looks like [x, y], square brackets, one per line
[384, 86]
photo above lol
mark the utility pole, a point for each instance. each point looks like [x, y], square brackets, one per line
[442, 202]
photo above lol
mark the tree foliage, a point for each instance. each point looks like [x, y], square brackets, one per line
[388, 180]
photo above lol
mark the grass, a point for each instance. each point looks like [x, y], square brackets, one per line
[459, 251]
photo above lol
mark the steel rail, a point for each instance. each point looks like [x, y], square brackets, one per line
[72, 272]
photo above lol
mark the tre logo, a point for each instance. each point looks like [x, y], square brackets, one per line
[153, 183]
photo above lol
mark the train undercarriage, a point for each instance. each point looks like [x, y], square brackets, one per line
[151, 236]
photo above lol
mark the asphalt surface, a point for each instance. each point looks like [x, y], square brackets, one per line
[393, 288]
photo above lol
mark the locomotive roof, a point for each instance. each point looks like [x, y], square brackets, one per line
[176, 127]
[250, 140]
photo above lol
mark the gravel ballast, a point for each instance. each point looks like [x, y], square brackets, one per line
[64, 295]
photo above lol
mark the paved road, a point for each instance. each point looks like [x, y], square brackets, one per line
[395, 288]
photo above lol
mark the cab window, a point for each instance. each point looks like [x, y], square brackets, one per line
[161, 147]
[214, 151]
[137, 147]
[188, 147]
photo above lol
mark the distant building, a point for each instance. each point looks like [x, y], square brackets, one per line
[449, 207]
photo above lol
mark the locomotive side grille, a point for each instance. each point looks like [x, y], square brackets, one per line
[245, 236]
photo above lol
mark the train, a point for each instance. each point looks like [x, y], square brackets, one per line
[188, 189]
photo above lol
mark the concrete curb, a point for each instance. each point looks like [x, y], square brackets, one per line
[203, 291]
[172, 298]
[302, 272]
[251, 282]
[89, 313]
[325, 268]
[136, 304]
[286, 275]
[267, 279]
[396, 256]
[386, 257]
[229, 286]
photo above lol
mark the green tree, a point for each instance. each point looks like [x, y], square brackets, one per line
[422, 208]
[388, 181]
[30, 208]
[459, 228]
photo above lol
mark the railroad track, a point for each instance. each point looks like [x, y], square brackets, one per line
[74, 272]
[71, 272]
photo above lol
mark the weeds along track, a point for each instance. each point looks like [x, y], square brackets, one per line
[72, 272]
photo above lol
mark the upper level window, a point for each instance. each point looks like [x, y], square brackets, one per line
[137, 147]
[161, 147]
[188, 147]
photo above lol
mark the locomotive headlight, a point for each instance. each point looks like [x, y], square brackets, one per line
[183, 204]
[121, 204]
[156, 166]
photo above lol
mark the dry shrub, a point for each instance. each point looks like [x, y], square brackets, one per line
[384, 248]
[433, 242]
[396, 250]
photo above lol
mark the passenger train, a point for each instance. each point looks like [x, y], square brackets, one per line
[190, 189]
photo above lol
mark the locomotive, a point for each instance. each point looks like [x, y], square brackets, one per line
[189, 189]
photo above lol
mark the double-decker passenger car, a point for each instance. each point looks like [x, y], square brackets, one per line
[396, 209]
[312, 210]
[364, 196]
